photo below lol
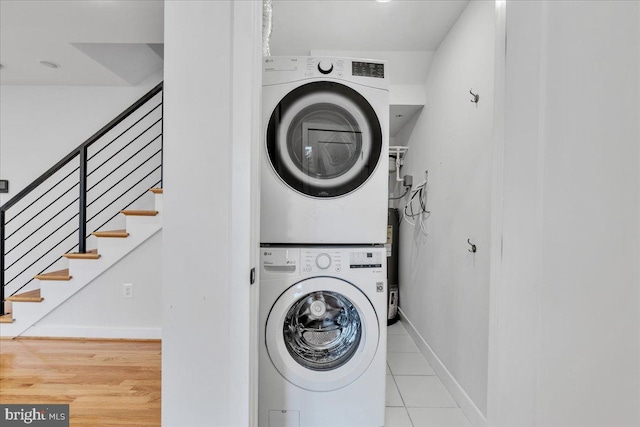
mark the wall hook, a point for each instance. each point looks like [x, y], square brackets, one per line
[476, 97]
[473, 247]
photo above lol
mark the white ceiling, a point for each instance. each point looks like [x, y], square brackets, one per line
[91, 40]
[118, 42]
[361, 25]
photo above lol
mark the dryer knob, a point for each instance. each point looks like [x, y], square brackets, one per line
[325, 67]
[323, 261]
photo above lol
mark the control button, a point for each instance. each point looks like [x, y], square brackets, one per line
[307, 268]
[338, 269]
[323, 261]
[325, 67]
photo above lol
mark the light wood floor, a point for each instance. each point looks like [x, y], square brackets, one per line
[105, 383]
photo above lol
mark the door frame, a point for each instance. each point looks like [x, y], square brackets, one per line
[246, 21]
[497, 212]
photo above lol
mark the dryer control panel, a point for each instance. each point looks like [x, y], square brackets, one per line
[286, 69]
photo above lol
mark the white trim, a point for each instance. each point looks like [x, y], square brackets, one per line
[257, 138]
[57, 331]
[246, 84]
[473, 413]
[497, 212]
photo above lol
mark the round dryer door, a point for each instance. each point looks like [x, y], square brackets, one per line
[322, 334]
[324, 139]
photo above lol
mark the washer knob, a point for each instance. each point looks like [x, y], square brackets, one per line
[325, 67]
[323, 261]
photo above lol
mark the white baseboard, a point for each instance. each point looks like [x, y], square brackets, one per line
[473, 413]
[93, 332]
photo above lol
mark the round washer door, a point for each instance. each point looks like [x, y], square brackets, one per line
[324, 139]
[322, 334]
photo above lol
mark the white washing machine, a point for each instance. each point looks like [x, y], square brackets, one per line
[323, 337]
[324, 170]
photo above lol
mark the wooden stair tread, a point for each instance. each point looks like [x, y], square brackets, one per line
[30, 296]
[139, 213]
[157, 190]
[92, 254]
[55, 275]
[113, 233]
[7, 318]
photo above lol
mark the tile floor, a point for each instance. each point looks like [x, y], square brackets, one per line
[415, 395]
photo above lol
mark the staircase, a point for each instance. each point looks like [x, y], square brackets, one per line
[55, 287]
[82, 216]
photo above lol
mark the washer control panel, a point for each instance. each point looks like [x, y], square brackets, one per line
[328, 260]
[322, 260]
[280, 260]
[365, 259]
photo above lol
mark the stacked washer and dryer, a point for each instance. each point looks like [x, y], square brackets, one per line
[323, 286]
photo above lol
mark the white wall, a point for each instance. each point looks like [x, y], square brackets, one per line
[444, 289]
[39, 125]
[99, 309]
[212, 55]
[568, 303]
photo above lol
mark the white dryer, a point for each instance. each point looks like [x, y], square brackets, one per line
[324, 169]
[322, 337]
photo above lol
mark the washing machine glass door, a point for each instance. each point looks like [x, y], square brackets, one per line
[324, 139]
[322, 334]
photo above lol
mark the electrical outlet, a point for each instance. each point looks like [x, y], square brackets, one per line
[127, 290]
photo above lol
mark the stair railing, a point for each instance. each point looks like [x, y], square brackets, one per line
[109, 172]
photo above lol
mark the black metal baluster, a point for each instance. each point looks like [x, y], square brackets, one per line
[162, 140]
[1, 262]
[82, 217]
[6, 272]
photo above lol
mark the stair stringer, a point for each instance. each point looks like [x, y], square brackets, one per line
[83, 272]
